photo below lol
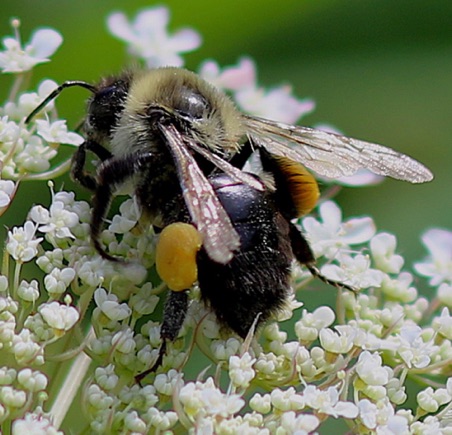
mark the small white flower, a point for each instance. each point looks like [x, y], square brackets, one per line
[443, 324]
[22, 244]
[399, 289]
[12, 144]
[102, 345]
[25, 349]
[261, 404]
[32, 381]
[240, 76]
[444, 294]
[165, 383]
[354, 271]
[7, 191]
[147, 37]
[3, 283]
[28, 101]
[99, 399]
[368, 413]
[300, 424]
[382, 247]
[36, 156]
[412, 348]
[338, 342]
[223, 350]
[206, 399]
[287, 400]
[7, 375]
[51, 260]
[127, 219]
[141, 397]
[429, 426]
[241, 370]
[218, 403]
[396, 391]
[391, 316]
[15, 59]
[56, 221]
[287, 310]
[328, 236]
[133, 423]
[59, 316]
[123, 341]
[266, 363]
[395, 424]
[369, 369]
[250, 424]
[327, 402]
[109, 305]
[161, 420]
[93, 271]
[68, 199]
[272, 332]
[59, 280]
[308, 327]
[28, 292]
[57, 132]
[35, 423]
[144, 302]
[12, 397]
[438, 265]
[277, 104]
[134, 272]
[430, 400]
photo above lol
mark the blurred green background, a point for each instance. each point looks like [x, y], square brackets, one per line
[379, 70]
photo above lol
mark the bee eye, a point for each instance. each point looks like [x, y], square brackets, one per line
[192, 104]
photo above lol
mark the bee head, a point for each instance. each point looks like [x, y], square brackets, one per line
[106, 106]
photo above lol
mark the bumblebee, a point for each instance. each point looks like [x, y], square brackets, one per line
[182, 143]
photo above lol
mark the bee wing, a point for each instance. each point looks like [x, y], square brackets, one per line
[333, 155]
[225, 166]
[219, 236]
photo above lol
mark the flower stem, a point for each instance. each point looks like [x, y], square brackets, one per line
[71, 384]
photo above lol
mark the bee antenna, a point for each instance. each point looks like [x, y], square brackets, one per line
[339, 285]
[57, 92]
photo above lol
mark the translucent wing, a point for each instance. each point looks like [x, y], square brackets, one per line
[333, 155]
[219, 236]
[226, 167]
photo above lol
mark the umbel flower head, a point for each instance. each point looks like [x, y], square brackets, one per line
[74, 336]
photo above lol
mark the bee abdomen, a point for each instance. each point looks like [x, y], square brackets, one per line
[256, 282]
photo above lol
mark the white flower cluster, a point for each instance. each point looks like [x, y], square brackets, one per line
[26, 151]
[351, 363]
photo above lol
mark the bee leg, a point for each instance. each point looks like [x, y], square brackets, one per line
[304, 255]
[174, 314]
[79, 159]
[176, 264]
[112, 172]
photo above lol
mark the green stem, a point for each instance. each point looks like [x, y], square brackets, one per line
[17, 270]
[70, 386]
[57, 171]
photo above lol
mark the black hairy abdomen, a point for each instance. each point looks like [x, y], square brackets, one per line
[256, 282]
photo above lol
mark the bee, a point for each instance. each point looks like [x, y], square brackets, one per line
[182, 144]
